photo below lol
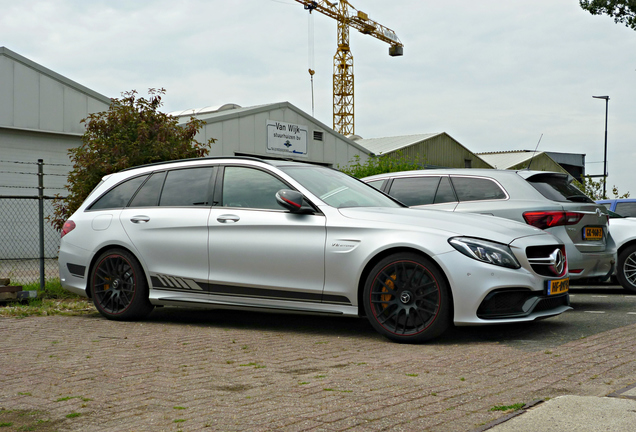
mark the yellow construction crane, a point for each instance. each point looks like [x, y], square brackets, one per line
[348, 16]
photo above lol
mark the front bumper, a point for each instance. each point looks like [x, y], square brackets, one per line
[519, 303]
[486, 294]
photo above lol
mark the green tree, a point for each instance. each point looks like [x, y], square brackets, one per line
[132, 132]
[594, 189]
[379, 165]
[622, 11]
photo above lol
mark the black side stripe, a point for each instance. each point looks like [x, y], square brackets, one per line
[178, 284]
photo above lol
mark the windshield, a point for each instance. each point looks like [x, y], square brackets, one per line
[338, 189]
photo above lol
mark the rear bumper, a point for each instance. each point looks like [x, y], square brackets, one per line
[590, 265]
[73, 265]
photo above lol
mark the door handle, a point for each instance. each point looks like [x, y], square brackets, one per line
[139, 219]
[228, 218]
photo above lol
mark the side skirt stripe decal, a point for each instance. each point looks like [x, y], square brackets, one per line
[163, 282]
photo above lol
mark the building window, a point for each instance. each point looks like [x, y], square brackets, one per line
[468, 163]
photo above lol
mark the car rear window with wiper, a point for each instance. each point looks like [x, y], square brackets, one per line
[558, 188]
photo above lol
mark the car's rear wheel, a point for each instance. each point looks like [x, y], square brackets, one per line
[118, 286]
[626, 268]
[406, 299]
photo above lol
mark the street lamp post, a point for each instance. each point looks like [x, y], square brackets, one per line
[605, 155]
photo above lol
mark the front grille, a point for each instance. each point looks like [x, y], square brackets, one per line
[541, 261]
[514, 303]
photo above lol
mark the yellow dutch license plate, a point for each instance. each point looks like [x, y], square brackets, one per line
[593, 233]
[558, 286]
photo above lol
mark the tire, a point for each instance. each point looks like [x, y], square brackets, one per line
[626, 268]
[119, 287]
[406, 299]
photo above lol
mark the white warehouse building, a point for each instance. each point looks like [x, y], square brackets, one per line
[40, 114]
[273, 131]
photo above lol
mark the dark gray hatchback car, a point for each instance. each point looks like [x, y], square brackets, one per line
[546, 200]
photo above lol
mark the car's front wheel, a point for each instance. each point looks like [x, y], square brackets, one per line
[626, 268]
[406, 298]
[118, 286]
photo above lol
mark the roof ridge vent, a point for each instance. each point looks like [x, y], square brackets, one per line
[228, 106]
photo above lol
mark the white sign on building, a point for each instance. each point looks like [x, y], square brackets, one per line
[286, 138]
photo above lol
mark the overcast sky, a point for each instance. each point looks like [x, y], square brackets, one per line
[495, 75]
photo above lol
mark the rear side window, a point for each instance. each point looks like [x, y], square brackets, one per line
[187, 187]
[626, 208]
[148, 195]
[558, 188]
[415, 190]
[120, 195]
[477, 189]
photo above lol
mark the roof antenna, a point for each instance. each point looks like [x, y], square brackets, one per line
[533, 154]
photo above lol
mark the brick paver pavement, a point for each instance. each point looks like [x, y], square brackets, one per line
[235, 371]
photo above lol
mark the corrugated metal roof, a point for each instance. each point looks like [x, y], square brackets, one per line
[505, 160]
[214, 111]
[388, 144]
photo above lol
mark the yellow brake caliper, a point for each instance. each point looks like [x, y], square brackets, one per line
[387, 297]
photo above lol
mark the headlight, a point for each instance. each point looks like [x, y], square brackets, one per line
[485, 251]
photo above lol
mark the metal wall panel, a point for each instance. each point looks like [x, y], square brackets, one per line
[21, 150]
[95, 106]
[26, 82]
[212, 131]
[6, 92]
[541, 162]
[441, 151]
[247, 134]
[51, 103]
[231, 136]
[75, 109]
[33, 97]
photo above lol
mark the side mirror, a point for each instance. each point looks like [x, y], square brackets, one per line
[291, 200]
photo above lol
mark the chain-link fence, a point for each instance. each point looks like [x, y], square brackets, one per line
[28, 243]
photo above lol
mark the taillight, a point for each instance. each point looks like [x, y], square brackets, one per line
[69, 226]
[549, 219]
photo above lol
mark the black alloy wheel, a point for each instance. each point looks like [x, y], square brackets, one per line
[406, 299]
[626, 268]
[119, 287]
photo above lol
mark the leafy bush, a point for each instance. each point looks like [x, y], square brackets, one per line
[594, 189]
[132, 132]
[379, 165]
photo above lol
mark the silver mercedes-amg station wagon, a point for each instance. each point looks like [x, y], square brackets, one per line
[286, 236]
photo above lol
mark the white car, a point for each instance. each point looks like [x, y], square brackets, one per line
[282, 236]
[623, 231]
